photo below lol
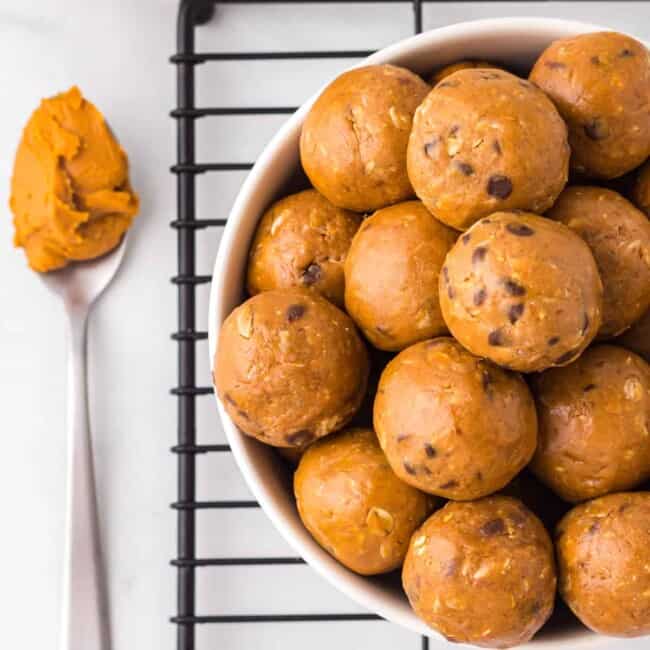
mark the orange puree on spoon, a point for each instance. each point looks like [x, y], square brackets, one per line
[70, 191]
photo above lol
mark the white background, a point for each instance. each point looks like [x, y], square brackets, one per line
[118, 54]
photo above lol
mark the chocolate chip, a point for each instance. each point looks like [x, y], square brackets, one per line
[554, 340]
[567, 356]
[295, 312]
[495, 338]
[408, 468]
[465, 238]
[299, 438]
[479, 254]
[515, 312]
[445, 274]
[479, 297]
[243, 414]
[623, 507]
[464, 168]
[403, 436]
[452, 83]
[430, 147]
[596, 129]
[499, 186]
[451, 292]
[493, 527]
[595, 60]
[585, 324]
[479, 476]
[588, 387]
[454, 129]
[430, 450]
[594, 528]
[496, 145]
[555, 65]
[625, 53]
[449, 484]
[520, 229]
[513, 288]
[312, 274]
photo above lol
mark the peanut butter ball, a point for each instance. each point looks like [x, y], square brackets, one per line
[619, 237]
[290, 367]
[466, 64]
[600, 83]
[521, 290]
[594, 420]
[391, 275]
[355, 507]
[482, 572]
[452, 424]
[485, 140]
[637, 338]
[641, 189]
[353, 141]
[302, 241]
[603, 552]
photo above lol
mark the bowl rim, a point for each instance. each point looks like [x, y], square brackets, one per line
[359, 588]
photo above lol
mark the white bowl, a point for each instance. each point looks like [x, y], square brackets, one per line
[514, 41]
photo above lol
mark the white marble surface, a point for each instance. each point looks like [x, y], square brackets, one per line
[117, 52]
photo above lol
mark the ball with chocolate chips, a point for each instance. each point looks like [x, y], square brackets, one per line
[600, 83]
[603, 552]
[482, 572]
[452, 424]
[619, 237]
[391, 275]
[353, 141]
[466, 64]
[485, 140]
[355, 507]
[641, 189]
[594, 421]
[637, 338]
[289, 367]
[302, 241]
[521, 290]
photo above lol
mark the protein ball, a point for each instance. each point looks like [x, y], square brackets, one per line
[302, 241]
[485, 140]
[600, 83]
[354, 506]
[353, 141]
[603, 552]
[619, 237]
[452, 424]
[521, 290]
[482, 572]
[391, 275]
[641, 189]
[290, 367]
[467, 64]
[637, 338]
[594, 421]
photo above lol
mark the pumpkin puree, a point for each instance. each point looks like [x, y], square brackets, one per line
[70, 191]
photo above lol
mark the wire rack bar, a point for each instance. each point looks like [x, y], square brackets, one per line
[277, 618]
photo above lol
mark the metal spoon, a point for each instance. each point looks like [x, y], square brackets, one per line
[85, 612]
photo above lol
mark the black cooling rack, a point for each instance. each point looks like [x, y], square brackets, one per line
[191, 14]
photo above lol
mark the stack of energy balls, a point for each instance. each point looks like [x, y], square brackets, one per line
[489, 326]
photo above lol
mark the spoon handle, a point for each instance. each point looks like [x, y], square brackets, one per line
[85, 614]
